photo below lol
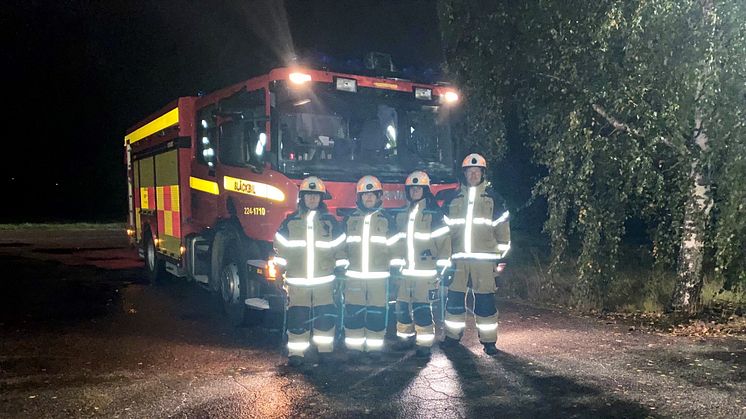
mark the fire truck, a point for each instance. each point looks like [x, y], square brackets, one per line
[212, 177]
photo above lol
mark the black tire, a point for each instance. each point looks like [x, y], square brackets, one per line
[217, 252]
[188, 262]
[154, 264]
[236, 284]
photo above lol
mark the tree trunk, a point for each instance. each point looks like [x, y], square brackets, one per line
[690, 276]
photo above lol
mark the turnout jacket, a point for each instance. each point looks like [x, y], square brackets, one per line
[307, 243]
[367, 244]
[422, 244]
[479, 222]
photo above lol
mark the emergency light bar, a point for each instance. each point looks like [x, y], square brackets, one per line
[423, 93]
[346, 85]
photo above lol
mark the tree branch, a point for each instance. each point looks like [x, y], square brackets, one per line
[618, 125]
[621, 126]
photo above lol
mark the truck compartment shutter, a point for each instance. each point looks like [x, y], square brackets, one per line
[167, 202]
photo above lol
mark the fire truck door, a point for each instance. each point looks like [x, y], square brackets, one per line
[202, 179]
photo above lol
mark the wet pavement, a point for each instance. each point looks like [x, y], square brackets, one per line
[82, 334]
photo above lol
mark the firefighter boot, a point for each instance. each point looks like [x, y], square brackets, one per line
[490, 349]
[354, 356]
[374, 356]
[404, 344]
[295, 361]
[422, 352]
[449, 343]
[325, 358]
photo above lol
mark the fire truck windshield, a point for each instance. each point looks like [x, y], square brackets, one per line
[344, 135]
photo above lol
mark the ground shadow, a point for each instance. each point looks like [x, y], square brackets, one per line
[509, 386]
[42, 294]
[363, 388]
[714, 369]
[51, 296]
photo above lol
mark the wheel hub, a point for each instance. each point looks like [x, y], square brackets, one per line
[231, 288]
[151, 256]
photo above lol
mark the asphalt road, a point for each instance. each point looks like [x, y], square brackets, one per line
[82, 334]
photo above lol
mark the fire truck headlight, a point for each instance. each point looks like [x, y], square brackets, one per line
[299, 78]
[273, 271]
[450, 97]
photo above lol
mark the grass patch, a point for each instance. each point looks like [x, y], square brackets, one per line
[62, 226]
[717, 299]
[641, 290]
[638, 287]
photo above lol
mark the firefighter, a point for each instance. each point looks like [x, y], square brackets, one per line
[366, 281]
[424, 243]
[480, 236]
[307, 243]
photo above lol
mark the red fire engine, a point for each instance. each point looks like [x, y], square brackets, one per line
[210, 178]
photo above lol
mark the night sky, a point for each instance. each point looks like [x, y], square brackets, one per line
[79, 73]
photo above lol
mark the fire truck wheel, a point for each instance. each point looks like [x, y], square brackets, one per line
[216, 263]
[233, 284]
[153, 264]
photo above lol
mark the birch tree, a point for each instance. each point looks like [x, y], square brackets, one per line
[636, 109]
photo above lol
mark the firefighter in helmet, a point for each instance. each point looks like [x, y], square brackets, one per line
[480, 236]
[307, 244]
[423, 248]
[366, 281]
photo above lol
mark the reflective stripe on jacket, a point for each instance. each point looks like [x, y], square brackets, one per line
[367, 246]
[423, 244]
[480, 224]
[308, 241]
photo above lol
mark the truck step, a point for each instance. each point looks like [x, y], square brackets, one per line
[257, 303]
[174, 270]
[199, 259]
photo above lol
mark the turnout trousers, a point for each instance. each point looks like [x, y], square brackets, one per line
[479, 276]
[311, 318]
[365, 313]
[414, 303]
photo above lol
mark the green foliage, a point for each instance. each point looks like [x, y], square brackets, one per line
[473, 54]
[608, 92]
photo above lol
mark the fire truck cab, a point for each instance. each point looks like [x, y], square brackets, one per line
[211, 178]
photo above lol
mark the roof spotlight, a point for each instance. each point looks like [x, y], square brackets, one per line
[299, 78]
